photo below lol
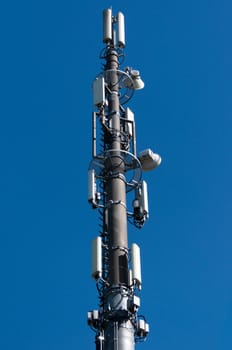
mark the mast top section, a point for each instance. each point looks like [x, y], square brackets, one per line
[113, 29]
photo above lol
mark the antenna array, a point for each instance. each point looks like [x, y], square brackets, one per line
[115, 170]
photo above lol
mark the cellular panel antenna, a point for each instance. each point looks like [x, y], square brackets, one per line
[115, 171]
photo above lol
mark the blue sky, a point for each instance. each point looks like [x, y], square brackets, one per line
[49, 58]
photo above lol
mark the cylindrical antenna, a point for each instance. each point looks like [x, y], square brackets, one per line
[144, 198]
[94, 135]
[96, 257]
[136, 264]
[91, 185]
[121, 30]
[107, 25]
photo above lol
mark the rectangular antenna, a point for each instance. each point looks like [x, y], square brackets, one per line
[144, 199]
[136, 264]
[91, 185]
[107, 25]
[99, 91]
[97, 257]
[130, 117]
[94, 135]
[121, 30]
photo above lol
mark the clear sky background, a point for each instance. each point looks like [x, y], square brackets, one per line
[49, 57]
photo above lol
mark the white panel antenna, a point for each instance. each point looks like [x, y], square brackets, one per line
[107, 25]
[130, 117]
[136, 264]
[130, 282]
[121, 30]
[97, 258]
[99, 91]
[91, 186]
[143, 199]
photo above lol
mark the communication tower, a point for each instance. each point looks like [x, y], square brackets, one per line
[114, 171]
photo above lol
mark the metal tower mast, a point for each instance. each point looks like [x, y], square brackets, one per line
[115, 170]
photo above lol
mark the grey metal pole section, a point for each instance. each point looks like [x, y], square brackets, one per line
[114, 171]
[119, 332]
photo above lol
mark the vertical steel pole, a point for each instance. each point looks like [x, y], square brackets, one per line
[119, 332]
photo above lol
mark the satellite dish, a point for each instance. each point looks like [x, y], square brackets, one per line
[149, 160]
[134, 80]
[138, 84]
